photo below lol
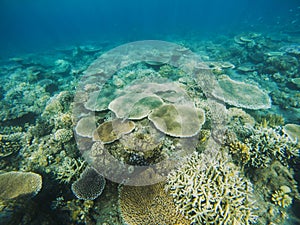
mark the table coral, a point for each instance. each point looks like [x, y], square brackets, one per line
[134, 106]
[293, 131]
[86, 126]
[212, 191]
[110, 131]
[240, 94]
[16, 184]
[178, 120]
[281, 197]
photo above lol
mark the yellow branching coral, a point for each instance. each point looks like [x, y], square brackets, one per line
[240, 150]
[281, 197]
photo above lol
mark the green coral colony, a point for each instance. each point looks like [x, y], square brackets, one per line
[231, 155]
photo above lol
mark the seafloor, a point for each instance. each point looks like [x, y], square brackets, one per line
[258, 167]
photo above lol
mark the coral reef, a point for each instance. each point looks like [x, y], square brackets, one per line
[133, 106]
[293, 131]
[178, 120]
[276, 187]
[110, 131]
[16, 184]
[212, 191]
[86, 126]
[240, 94]
[281, 197]
[143, 205]
[23, 100]
[10, 143]
[269, 144]
[89, 186]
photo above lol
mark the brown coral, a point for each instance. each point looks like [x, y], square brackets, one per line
[178, 120]
[144, 205]
[110, 131]
[16, 184]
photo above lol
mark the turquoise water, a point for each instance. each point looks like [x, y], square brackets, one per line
[114, 112]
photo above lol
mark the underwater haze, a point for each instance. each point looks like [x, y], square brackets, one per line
[33, 24]
[126, 112]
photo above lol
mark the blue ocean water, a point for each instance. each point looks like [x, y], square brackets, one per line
[46, 46]
[33, 24]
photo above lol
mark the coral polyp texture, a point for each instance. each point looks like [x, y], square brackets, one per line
[16, 184]
[89, 186]
[212, 191]
[144, 205]
[240, 94]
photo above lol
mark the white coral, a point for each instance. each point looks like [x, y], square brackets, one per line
[212, 192]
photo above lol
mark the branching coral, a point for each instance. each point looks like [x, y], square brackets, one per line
[70, 168]
[281, 197]
[263, 146]
[212, 191]
[268, 144]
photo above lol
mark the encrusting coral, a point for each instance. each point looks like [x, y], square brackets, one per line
[212, 191]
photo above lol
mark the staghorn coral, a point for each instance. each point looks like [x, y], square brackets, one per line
[16, 184]
[79, 211]
[260, 146]
[212, 191]
[269, 144]
[68, 168]
[270, 120]
[240, 151]
[240, 94]
[10, 143]
[89, 186]
[281, 197]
